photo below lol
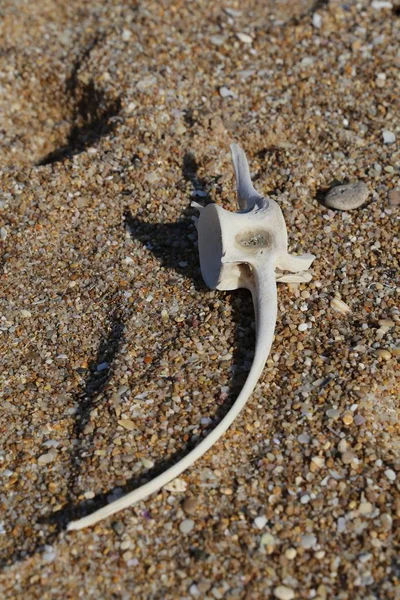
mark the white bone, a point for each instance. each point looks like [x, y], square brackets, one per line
[244, 249]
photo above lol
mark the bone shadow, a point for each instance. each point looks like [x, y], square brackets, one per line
[168, 241]
[91, 121]
[93, 386]
[243, 318]
[92, 113]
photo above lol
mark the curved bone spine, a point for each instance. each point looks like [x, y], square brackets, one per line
[266, 317]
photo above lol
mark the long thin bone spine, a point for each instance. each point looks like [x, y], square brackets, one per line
[246, 194]
[265, 306]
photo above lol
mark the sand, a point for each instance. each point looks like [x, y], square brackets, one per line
[115, 359]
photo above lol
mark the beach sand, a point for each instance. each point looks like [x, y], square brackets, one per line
[115, 359]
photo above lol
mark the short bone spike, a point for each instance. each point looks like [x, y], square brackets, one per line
[246, 249]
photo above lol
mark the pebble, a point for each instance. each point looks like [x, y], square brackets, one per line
[390, 474]
[282, 592]
[317, 20]
[348, 419]
[45, 459]
[342, 446]
[340, 306]
[268, 540]
[245, 38]
[317, 462]
[122, 390]
[302, 327]
[225, 92]
[386, 323]
[217, 40]
[118, 527]
[260, 522]
[186, 526]
[348, 457]
[127, 424]
[176, 486]
[25, 314]
[388, 137]
[365, 508]
[394, 197]
[379, 4]
[387, 521]
[333, 413]
[385, 354]
[147, 463]
[291, 553]
[49, 554]
[194, 590]
[190, 505]
[308, 541]
[348, 196]
[341, 525]
[3, 234]
[102, 367]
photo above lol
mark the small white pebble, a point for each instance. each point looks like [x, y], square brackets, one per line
[45, 459]
[340, 306]
[186, 526]
[341, 525]
[245, 38]
[317, 21]
[291, 553]
[194, 590]
[302, 327]
[126, 35]
[25, 314]
[225, 92]
[3, 234]
[282, 592]
[49, 554]
[308, 541]
[390, 474]
[333, 413]
[260, 522]
[232, 12]
[387, 521]
[176, 486]
[388, 137]
[378, 4]
[147, 463]
[365, 508]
